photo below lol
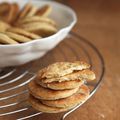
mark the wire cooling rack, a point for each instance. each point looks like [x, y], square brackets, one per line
[13, 80]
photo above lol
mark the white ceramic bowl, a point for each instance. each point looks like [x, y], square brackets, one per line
[11, 55]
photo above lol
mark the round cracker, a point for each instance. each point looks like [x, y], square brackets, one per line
[31, 12]
[14, 13]
[4, 26]
[44, 11]
[36, 104]
[61, 85]
[87, 75]
[5, 11]
[18, 37]
[48, 94]
[60, 69]
[36, 19]
[4, 39]
[24, 33]
[24, 11]
[73, 100]
[8, 12]
[41, 28]
[4, 7]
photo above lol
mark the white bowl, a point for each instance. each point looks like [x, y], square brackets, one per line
[11, 55]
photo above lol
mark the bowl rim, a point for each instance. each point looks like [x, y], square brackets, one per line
[69, 9]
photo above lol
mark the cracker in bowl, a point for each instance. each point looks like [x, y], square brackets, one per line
[27, 24]
[41, 28]
[4, 26]
[44, 11]
[24, 33]
[4, 39]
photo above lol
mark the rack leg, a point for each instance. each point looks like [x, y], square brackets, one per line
[66, 114]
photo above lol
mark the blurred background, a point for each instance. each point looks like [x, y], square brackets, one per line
[99, 22]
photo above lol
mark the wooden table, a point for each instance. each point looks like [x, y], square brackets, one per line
[99, 22]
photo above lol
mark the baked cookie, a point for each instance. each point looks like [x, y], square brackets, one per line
[5, 10]
[36, 104]
[73, 100]
[61, 85]
[17, 37]
[4, 39]
[24, 11]
[4, 26]
[44, 11]
[4, 6]
[48, 94]
[31, 12]
[87, 75]
[9, 12]
[41, 28]
[31, 22]
[24, 33]
[14, 13]
[60, 69]
[36, 19]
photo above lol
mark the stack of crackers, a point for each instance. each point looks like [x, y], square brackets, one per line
[60, 86]
[26, 24]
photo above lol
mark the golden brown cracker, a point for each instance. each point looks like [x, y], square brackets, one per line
[31, 12]
[61, 85]
[17, 37]
[4, 39]
[4, 7]
[4, 26]
[48, 94]
[44, 11]
[37, 19]
[41, 28]
[36, 104]
[24, 11]
[86, 75]
[60, 69]
[14, 13]
[24, 33]
[73, 100]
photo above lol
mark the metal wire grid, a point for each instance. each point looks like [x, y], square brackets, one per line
[17, 89]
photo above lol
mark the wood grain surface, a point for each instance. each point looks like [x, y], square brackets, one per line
[98, 21]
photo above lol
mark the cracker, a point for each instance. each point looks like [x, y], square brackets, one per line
[4, 26]
[36, 104]
[37, 19]
[4, 6]
[8, 12]
[73, 100]
[11, 13]
[86, 75]
[14, 13]
[24, 11]
[31, 12]
[5, 11]
[4, 39]
[24, 33]
[41, 28]
[61, 85]
[17, 37]
[60, 69]
[44, 11]
[48, 94]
